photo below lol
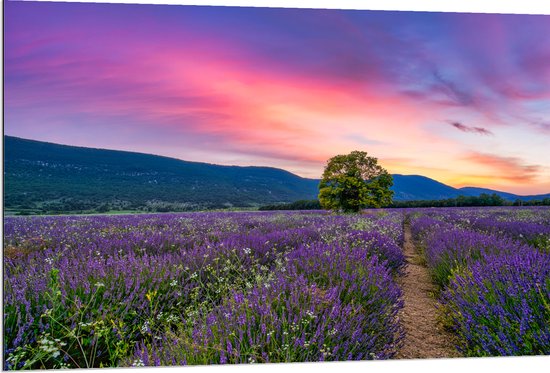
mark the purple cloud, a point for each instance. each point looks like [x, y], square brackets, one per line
[464, 128]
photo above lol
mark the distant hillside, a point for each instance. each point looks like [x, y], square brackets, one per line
[415, 187]
[472, 191]
[42, 177]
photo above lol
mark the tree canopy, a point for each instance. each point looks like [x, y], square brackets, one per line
[354, 181]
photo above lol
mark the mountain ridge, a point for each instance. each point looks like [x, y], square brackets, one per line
[452, 192]
[44, 176]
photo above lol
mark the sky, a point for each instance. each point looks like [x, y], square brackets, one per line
[461, 98]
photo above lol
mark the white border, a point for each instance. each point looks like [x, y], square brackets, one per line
[503, 364]
[477, 6]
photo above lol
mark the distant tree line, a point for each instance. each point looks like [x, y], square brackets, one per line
[298, 205]
[534, 202]
[75, 206]
[90, 206]
[461, 201]
[467, 201]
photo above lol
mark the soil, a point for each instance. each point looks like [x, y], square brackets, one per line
[425, 338]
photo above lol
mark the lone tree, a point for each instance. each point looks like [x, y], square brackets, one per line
[354, 181]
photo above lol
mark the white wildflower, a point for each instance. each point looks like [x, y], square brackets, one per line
[171, 318]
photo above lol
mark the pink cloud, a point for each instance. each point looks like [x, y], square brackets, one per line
[283, 88]
[511, 169]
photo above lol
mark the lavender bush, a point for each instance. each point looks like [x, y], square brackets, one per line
[447, 251]
[501, 307]
[292, 318]
[493, 268]
[93, 291]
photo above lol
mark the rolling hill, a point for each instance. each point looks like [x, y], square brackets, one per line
[38, 173]
[47, 177]
[472, 191]
[416, 187]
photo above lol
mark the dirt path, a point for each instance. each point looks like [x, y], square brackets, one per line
[424, 339]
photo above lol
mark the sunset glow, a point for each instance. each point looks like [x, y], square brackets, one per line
[461, 98]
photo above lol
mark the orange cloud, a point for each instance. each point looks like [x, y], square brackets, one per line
[286, 89]
[511, 169]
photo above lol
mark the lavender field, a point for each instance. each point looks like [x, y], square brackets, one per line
[492, 267]
[215, 288]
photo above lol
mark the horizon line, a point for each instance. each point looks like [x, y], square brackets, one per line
[245, 166]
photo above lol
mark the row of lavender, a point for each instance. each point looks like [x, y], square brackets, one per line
[200, 289]
[492, 267]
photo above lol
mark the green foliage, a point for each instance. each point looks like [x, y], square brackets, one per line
[465, 201]
[75, 331]
[354, 181]
[533, 202]
[298, 205]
